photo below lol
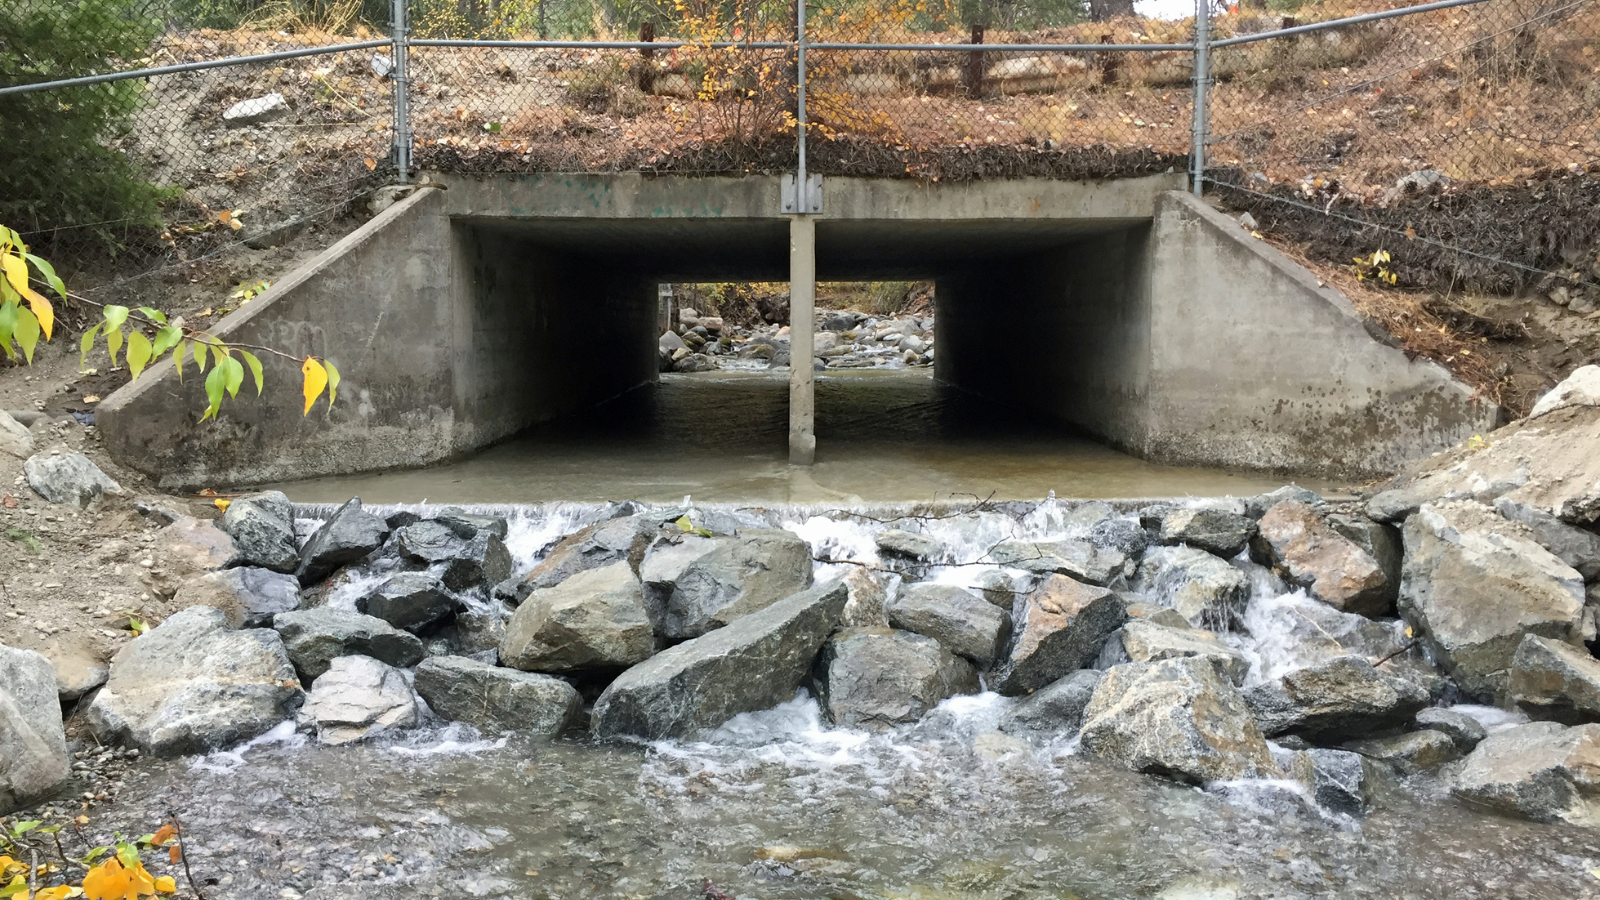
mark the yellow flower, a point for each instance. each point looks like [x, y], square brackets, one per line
[110, 881]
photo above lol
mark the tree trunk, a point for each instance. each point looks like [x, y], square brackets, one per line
[1105, 10]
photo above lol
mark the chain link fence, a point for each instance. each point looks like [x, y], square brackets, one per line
[248, 119]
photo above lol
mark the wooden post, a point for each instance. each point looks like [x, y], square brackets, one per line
[647, 69]
[975, 67]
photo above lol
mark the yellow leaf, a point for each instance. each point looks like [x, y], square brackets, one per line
[59, 892]
[221, 504]
[166, 884]
[316, 380]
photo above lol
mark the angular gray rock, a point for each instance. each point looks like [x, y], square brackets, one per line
[595, 619]
[1574, 546]
[1465, 731]
[1000, 588]
[1063, 626]
[1295, 541]
[483, 561]
[409, 600]
[868, 596]
[1257, 506]
[33, 745]
[249, 596]
[1205, 590]
[428, 542]
[1143, 641]
[68, 478]
[262, 528]
[1411, 753]
[469, 525]
[359, 697]
[1556, 681]
[256, 110]
[1473, 593]
[1055, 710]
[879, 677]
[347, 537]
[495, 699]
[956, 617]
[1581, 388]
[908, 545]
[1542, 771]
[742, 574]
[625, 539]
[1177, 718]
[1345, 698]
[1122, 534]
[1337, 779]
[1212, 530]
[1081, 560]
[190, 685]
[15, 439]
[314, 638]
[753, 663]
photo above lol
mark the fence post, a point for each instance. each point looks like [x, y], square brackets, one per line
[800, 107]
[399, 13]
[1200, 118]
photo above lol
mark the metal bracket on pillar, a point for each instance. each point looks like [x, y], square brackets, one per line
[792, 204]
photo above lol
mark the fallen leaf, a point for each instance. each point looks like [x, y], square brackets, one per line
[9, 502]
[221, 504]
[371, 164]
[91, 398]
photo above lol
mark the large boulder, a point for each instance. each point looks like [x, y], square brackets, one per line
[1473, 593]
[33, 745]
[429, 541]
[953, 616]
[1176, 718]
[867, 606]
[1063, 626]
[1412, 753]
[1212, 530]
[249, 596]
[1344, 698]
[1463, 730]
[409, 600]
[359, 697]
[483, 561]
[879, 677]
[1542, 771]
[15, 440]
[742, 574]
[495, 699]
[595, 619]
[1207, 591]
[1143, 641]
[68, 478]
[625, 539]
[314, 638]
[1337, 779]
[1581, 388]
[262, 528]
[348, 536]
[750, 664]
[1577, 547]
[1082, 560]
[1295, 540]
[1555, 680]
[1055, 710]
[190, 685]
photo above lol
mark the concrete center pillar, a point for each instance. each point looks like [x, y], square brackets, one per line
[802, 300]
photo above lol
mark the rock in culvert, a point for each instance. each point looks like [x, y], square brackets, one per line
[314, 638]
[742, 574]
[1556, 681]
[625, 539]
[1055, 710]
[1212, 530]
[1176, 718]
[68, 478]
[1542, 771]
[956, 617]
[1337, 779]
[347, 537]
[1296, 541]
[190, 685]
[1143, 641]
[15, 440]
[879, 677]
[33, 744]
[262, 528]
[256, 110]
[1081, 560]
[359, 697]
[908, 545]
[1411, 753]
[595, 619]
[249, 596]
[483, 562]
[1064, 624]
[1465, 731]
[1205, 590]
[409, 600]
[1345, 697]
[695, 362]
[496, 699]
[1474, 593]
[1574, 546]
[753, 663]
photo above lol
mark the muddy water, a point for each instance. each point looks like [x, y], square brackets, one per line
[723, 436]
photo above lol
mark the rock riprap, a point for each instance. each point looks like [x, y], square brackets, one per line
[961, 620]
[594, 619]
[1205, 590]
[33, 744]
[751, 664]
[262, 528]
[1064, 625]
[1081, 560]
[314, 638]
[190, 685]
[1542, 771]
[1295, 540]
[1212, 530]
[1143, 641]
[879, 677]
[249, 596]
[68, 478]
[359, 697]
[410, 600]
[1054, 711]
[623, 539]
[1555, 680]
[348, 536]
[495, 699]
[1345, 697]
[741, 574]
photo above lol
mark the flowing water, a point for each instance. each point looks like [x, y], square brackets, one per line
[775, 804]
[884, 435]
